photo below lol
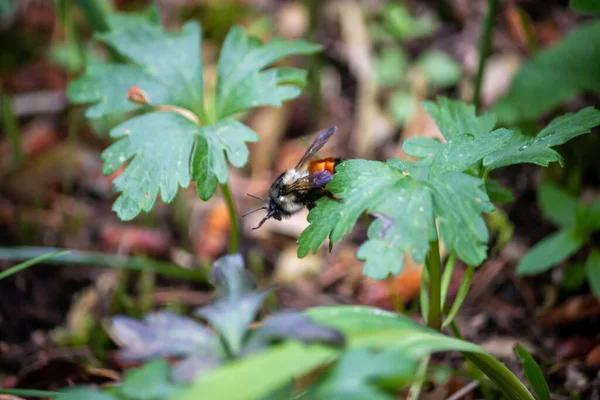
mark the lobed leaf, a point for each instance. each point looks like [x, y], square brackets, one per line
[240, 82]
[469, 138]
[537, 150]
[554, 75]
[151, 169]
[164, 150]
[455, 118]
[405, 205]
[226, 137]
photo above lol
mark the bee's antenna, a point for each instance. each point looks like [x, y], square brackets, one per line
[255, 197]
[253, 211]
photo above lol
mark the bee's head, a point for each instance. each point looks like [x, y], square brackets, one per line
[273, 210]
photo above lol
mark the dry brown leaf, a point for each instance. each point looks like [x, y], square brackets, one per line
[211, 236]
[135, 239]
[388, 292]
[574, 309]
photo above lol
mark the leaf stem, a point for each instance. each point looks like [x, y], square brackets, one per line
[434, 319]
[11, 127]
[484, 50]
[179, 110]
[234, 233]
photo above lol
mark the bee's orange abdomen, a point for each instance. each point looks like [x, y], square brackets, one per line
[326, 164]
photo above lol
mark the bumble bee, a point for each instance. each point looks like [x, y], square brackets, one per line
[302, 185]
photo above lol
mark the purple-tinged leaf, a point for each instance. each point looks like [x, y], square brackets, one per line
[232, 316]
[230, 278]
[162, 334]
[298, 326]
[193, 367]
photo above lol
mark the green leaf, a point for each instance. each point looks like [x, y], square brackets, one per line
[455, 118]
[558, 205]
[550, 251]
[440, 69]
[366, 328]
[151, 169]
[592, 270]
[497, 192]
[422, 147]
[227, 136]
[174, 77]
[570, 66]
[586, 6]
[402, 106]
[537, 150]
[456, 199]
[241, 380]
[390, 66]
[469, 138]
[398, 21]
[150, 382]
[165, 150]
[574, 277]
[241, 84]
[356, 374]
[534, 373]
[373, 328]
[587, 218]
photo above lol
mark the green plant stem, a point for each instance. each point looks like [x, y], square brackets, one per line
[76, 257]
[30, 393]
[415, 388]
[434, 319]
[31, 262]
[234, 233]
[314, 72]
[11, 128]
[484, 50]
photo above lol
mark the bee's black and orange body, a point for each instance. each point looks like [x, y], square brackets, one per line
[326, 164]
[302, 186]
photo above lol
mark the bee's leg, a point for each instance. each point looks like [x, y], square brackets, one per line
[311, 205]
[332, 196]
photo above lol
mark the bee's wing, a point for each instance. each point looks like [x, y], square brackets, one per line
[314, 180]
[316, 145]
